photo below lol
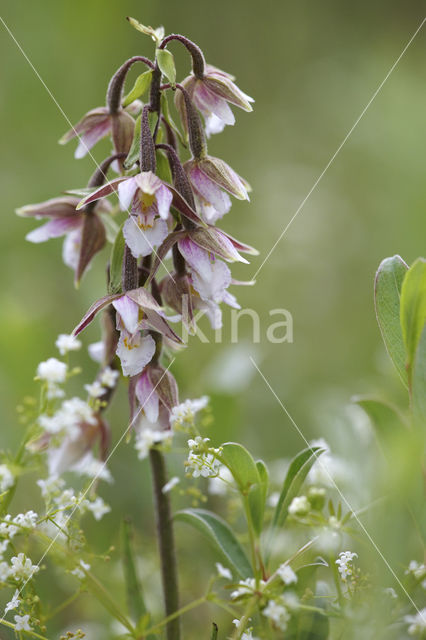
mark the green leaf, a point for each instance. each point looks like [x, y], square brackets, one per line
[413, 310]
[106, 600]
[163, 167]
[385, 418]
[215, 630]
[166, 62]
[136, 604]
[246, 475]
[133, 154]
[166, 115]
[116, 263]
[140, 87]
[296, 475]
[418, 402]
[264, 478]
[219, 533]
[388, 284]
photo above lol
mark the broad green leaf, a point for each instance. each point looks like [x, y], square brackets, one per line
[246, 475]
[116, 263]
[141, 85]
[134, 152]
[418, 402]
[387, 290]
[135, 601]
[296, 475]
[219, 533]
[385, 418]
[166, 62]
[413, 310]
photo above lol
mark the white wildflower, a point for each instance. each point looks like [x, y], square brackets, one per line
[246, 587]
[287, 574]
[52, 370]
[6, 478]
[7, 528]
[22, 623]
[98, 508]
[147, 438]
[78, 573]
[417, 624]
[345, 564]
[22, 568]
[90, 466]
[97, 351]
[170, 484]
[277, 613]
[66, 343]
[13, 604]
[184, 413]
[26, 520]
[223, 572]
[247, 634]
[109, 377]
[3, 546]
[299, 506]
[417, 570]
[95, 390]
[50, 486]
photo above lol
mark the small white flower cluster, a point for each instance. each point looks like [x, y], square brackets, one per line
[68, 418]
[12, 604]
[417, 624]
[300, 506]
[287, 575]
[6, 478]
[345, 564]
[246, 588]
[66, 343]
[183, 414]
[78, 572]
[54, 373]
[9, 527]
[247, 634]
[20, 569]
[107, 380]
[277, 612]
[418, 571]
[202, 460]
[147, 438]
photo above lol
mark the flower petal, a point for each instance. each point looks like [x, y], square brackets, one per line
[55, 228]
[147, 397]
[141, 242]
[135, 353]
[208, 102]
[126, 192]
[164, 199]
[209, 190]
[215, 286]
[53, 208]
[128, 311]
[197, 258]
[91, 136]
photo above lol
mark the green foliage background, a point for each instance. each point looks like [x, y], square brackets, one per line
[312, 67]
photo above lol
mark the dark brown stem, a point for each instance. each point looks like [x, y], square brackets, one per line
[99, 176]
[180, 179]
[198, 62]
[147, 150]
[130, 276]
[197, 139]
[115, 87]
[166, 542]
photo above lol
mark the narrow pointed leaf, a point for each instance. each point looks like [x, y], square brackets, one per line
[220, 535]
[388, 284]
[166, 62]
[419, 382]
[135, 600]
[139, 88]
[413, 310]
[296, 475]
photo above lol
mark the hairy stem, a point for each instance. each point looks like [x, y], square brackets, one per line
[166, 543]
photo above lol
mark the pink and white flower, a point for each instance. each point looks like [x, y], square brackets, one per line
[211, 95]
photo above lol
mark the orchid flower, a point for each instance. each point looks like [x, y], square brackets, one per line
[84, 231]
[137, 311]
[211, 95]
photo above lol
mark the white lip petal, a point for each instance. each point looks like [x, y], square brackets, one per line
[135, 353]
[141, 241]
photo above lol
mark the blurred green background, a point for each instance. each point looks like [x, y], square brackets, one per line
[312, 67]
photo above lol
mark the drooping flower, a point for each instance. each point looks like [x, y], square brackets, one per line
[137, 311]
[84, 231]
[98, 123]
[212, 180]
[211, 95]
